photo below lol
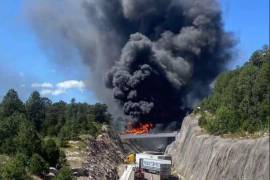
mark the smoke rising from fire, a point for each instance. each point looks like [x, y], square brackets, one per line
[156, 58]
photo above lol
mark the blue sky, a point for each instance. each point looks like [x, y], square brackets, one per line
[25, 67]
[249, 21]
[24, 64]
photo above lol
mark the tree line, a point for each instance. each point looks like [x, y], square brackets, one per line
[240, 101]
[32, 132]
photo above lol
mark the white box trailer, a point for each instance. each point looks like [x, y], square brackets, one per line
[151, 155]
[156, 166]
[156, 163]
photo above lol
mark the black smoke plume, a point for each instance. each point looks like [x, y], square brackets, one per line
[157, 58]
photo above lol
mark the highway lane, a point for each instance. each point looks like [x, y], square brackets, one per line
[147, 176]
[129, 175]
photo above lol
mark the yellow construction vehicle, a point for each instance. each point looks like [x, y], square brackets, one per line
[131, 158]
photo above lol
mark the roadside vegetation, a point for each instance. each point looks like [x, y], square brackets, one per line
[240, 102]
[32, 133]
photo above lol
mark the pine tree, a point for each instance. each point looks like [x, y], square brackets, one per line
[11, 104]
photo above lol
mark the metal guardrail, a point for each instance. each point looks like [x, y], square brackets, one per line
[142, 136]
[127, 173]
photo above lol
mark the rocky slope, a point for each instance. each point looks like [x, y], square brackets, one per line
[96, 158]
[105, 153]
[199, 156]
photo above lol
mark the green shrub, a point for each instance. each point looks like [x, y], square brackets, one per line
[62, 159]
[27, 139]
[51, 152]
[38, 165]
[14, 169]
[64, 174]
[240, 99]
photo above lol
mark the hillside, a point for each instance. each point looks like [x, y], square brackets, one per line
[197, 155]
[227, 135]
[241, 99]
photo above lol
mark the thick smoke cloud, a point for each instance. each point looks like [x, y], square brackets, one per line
[156, 58]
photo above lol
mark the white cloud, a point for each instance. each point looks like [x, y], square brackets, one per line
[42, 85]
[71, 84]
[45, 92]
[54, 92]
[57, 92]
[47, 89]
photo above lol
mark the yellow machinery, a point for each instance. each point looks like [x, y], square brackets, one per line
[131, 158]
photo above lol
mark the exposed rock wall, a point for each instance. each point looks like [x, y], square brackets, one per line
[105, 153]
[199, 156]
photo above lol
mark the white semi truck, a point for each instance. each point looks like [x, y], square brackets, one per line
[155, 163]
[159, 166]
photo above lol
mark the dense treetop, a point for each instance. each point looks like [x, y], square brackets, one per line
[241, 98]
[32, 132]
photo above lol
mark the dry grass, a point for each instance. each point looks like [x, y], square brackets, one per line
[3, 159]
[243, 134]
[76, 152]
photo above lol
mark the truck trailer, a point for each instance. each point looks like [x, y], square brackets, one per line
[156, 166]
[155, 163]
[151, 155]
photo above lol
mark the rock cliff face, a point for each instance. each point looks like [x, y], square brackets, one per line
[199, 156]
[105, 153]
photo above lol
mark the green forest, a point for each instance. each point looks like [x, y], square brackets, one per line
[240, 101]
[32, 133]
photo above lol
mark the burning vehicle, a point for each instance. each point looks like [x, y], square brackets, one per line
[141, 128]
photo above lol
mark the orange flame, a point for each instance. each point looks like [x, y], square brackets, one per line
[142, 128]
